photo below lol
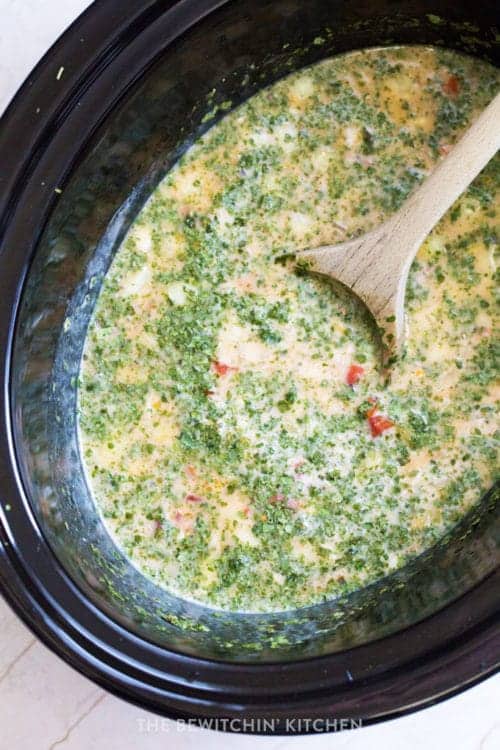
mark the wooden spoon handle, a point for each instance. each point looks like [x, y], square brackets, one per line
[376, 265]
[451, 177]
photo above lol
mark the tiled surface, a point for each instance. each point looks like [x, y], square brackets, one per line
[45, 705]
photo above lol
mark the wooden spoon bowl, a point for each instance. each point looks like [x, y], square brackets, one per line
[375, 266]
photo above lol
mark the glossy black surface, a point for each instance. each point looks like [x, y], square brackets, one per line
[133, 96]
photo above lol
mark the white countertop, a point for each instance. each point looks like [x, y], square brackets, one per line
[44, 704]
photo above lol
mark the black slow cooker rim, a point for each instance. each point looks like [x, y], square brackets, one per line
[31, 578]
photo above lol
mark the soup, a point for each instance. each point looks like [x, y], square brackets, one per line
[239, 435]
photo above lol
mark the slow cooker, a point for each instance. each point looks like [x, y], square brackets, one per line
[97, 124]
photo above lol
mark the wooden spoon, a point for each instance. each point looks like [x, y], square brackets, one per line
[376, 265]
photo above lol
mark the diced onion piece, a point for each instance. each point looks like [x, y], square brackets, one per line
[177, 293]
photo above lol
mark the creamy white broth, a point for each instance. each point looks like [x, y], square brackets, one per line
[240, 439]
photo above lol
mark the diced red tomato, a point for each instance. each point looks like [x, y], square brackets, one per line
[277, 498]
[451, 86]
[354, 374]
[183, 521]
[379, 424]
[280, 498]
[221, 368]
[194, 499]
